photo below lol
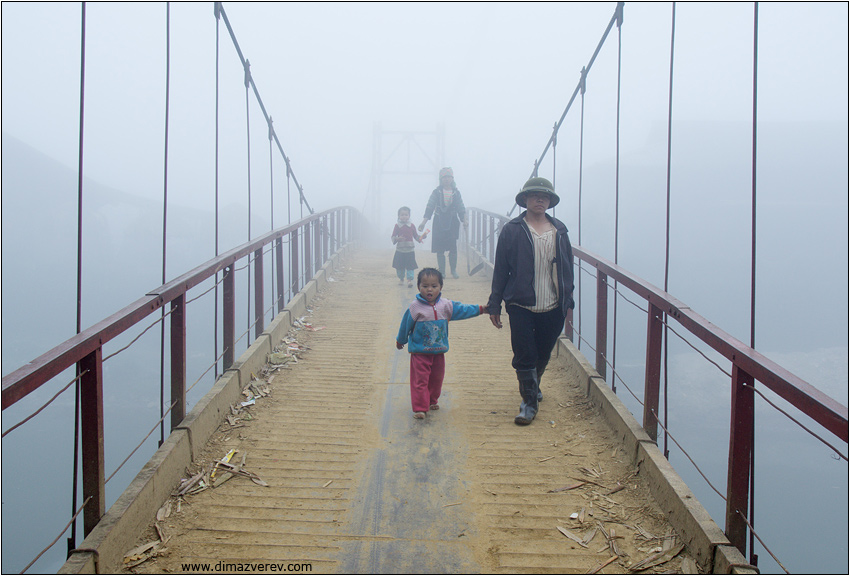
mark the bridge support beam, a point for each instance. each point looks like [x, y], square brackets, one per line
[653, 371]
[308, 251]
[741, 437]
[229, 315]
[259, 312]
[281, 300]
[294, 268]
[178, 360]
[602, 324]
[91, 434]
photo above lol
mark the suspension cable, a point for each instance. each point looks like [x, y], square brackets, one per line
[667, 223]
[220, 8]
[271, 198]
[583, 88]
[617, 187]
[73, 538]
[164, 213]
[554, 160]
[578, 89]
[217, 12]
[585, 70]
[753, 556]
[247, 66]
[288, 192]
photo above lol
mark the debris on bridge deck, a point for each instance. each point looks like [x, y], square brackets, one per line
[355, 484]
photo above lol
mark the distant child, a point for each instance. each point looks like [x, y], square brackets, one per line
[404, 235]
[425, 325]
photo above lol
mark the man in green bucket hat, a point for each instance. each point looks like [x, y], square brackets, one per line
[533, 274]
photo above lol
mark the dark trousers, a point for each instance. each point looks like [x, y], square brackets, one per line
[441, 260]
[533, 336]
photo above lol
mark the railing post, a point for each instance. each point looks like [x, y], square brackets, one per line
[294, 270]
[601, 322]
[476, 229]
[308, 251]
[740, 458]
[91, 435]
[318, 244]
[492, 252]
[178, 360]
[280, 288]
[229, 315]
[327, 238]
[259, 308]
[653, 371]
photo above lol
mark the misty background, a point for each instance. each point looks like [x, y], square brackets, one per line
[496, 76]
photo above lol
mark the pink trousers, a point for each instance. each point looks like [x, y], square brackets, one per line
[426, 380]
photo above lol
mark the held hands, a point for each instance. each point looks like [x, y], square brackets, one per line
[496, 320]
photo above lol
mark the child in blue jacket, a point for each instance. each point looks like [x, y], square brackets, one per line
[425, 328]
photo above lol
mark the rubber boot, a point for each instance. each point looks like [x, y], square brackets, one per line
[540, 371]
[441, 263]
[453, 263]
[528, 390]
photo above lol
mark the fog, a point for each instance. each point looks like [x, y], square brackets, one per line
[493, 78]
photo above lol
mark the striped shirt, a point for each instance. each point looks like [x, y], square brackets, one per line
[545, 288]
[447, 196]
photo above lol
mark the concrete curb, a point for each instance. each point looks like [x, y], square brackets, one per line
[102, 551]
[703, 538]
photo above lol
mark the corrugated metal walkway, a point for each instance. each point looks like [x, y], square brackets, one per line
[356, 485]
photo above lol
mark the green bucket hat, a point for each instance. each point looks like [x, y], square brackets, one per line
[537, 184]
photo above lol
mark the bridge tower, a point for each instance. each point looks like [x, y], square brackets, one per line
[412, 153]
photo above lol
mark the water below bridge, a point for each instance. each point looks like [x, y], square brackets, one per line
[357, 485]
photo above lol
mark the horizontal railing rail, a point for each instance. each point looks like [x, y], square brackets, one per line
[312, 241]
[748, 365]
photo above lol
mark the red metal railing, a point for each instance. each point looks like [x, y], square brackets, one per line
[748, 366]
[319, 235]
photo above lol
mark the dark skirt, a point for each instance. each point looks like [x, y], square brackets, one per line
[446, 232]
[405, 261]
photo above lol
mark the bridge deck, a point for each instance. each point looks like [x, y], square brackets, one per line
[356, 485]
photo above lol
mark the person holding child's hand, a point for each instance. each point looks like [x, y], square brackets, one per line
[533, 274]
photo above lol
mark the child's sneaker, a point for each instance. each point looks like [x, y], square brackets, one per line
[435, 407]
[419, 415]
[410, 283]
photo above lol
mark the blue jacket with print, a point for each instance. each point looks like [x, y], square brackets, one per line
[426, 326]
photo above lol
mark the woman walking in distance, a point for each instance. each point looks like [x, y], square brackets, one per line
[446, 204]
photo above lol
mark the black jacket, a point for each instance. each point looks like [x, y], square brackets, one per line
[447, 219]
[513, 273]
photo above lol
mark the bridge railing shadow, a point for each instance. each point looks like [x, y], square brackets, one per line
[747, 366]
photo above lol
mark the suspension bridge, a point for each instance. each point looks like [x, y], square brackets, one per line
[292, 448]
